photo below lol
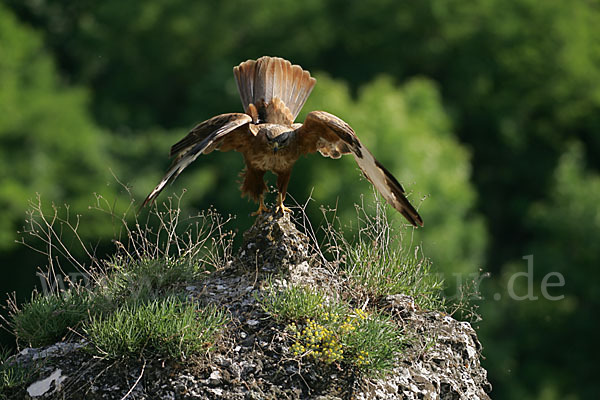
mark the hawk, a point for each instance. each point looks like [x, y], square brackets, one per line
[273, 91]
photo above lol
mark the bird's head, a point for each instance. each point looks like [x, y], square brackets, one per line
[280, 141]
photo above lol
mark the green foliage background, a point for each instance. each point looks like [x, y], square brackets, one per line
[486, 110]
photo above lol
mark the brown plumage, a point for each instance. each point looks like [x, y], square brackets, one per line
[273, 92]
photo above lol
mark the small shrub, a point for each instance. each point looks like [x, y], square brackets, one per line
[163, 328]
[316, 341]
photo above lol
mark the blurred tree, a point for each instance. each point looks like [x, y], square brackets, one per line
[49, 143]
[163, 62]
[519, 76]
[552, 365]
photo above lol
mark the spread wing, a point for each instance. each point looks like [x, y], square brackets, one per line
[332, 137]
[206, 136]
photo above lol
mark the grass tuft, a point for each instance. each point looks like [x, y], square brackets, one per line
[47, 319]
[379, 271]
[296, 302]
[12, 374]
[374, 344]
[378, 262]
[163, 328]
[154, 262]
[148, 279]
[329, 331]
[381, 261]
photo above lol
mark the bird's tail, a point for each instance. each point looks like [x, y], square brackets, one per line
[272, 89]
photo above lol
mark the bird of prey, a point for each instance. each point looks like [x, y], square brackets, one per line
[273, 91]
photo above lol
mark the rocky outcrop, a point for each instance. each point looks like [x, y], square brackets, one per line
[253, 360]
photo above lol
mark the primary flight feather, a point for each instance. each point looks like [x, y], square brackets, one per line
[273, 92]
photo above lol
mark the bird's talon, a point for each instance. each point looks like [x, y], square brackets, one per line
[261, 208]
[260, 211]
[283, 209]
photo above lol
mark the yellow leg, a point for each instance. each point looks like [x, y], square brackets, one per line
[280, 206]
[261, 208]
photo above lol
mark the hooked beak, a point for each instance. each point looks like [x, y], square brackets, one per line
[275, 147]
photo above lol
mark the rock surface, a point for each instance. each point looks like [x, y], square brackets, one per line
[254, 360]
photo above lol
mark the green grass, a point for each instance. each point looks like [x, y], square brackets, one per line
[380, 271]
[326, 330]
[12, 374]
[296, 302]
[381, 260]
[47, 319]
[322, 328]
[154, 262]
[134, 312]
[148, 279]
[163, 328]
[374, 344]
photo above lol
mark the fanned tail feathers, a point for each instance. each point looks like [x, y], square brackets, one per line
[272, 89]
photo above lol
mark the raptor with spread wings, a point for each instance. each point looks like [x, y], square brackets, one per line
[273, 91]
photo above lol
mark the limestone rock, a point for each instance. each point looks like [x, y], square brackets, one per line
[253, 361]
